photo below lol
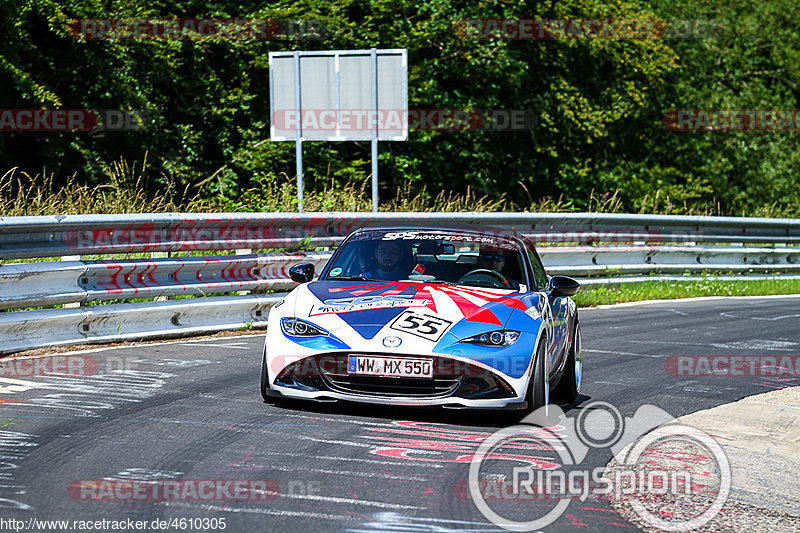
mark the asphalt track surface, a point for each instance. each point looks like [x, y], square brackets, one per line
[191, 410]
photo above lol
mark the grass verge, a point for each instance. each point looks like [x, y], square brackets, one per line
[667, 290]
[130, 189]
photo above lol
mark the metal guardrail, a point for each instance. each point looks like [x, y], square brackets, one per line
[616, 261]
[49, 236]
[22, 330]
[60, 282]
[607, 247]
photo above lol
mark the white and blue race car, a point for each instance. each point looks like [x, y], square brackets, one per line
[426, 317]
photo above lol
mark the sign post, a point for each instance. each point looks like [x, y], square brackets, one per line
[298, 143]
[338, 95]
[373, 56]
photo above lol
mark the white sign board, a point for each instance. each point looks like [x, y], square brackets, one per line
[338, 95]
[344, 95]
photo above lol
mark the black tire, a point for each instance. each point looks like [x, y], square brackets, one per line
[570, 385]
[538, 388]
[265, 378]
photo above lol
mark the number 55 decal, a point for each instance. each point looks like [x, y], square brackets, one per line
[421, 325]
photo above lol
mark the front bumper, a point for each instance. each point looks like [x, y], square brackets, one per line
[455, 384]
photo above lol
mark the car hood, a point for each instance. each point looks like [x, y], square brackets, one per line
[366, 308]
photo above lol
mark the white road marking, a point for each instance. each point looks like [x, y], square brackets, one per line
[772, 345]
[14, 446]
[210, 345]
[350, 501]
[340, 420]
[145, 474]
[257, 510]
[349, 443]
[614, 352]
[18, 385]
[346, 501]
[338, 459]
[728, 314]
[759, 344]
[340, 472]
[87, 395]
[389, 521]
[668, 343]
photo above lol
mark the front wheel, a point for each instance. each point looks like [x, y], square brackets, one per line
[539, 384]
[264, 377]
[570, 385]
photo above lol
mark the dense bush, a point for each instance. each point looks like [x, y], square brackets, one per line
[600, 103]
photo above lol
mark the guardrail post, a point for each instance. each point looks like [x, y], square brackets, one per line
[74, 304]
[160, 255]
[244, 251]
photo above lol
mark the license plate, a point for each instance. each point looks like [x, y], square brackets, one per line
[390, 366]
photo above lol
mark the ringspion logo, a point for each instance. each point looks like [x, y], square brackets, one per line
[649, 471]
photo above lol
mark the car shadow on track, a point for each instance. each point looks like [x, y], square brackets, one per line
[438, 415]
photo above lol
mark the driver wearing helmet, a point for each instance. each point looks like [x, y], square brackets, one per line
[491, 258]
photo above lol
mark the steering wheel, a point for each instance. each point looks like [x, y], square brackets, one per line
[484, 277]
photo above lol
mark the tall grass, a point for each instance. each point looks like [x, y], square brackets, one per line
[127, 190]
[24, 195]
[591, 295]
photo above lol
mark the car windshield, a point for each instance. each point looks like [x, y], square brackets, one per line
[432, 256]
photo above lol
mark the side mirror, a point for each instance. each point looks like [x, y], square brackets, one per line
[563, 286]
[302, 273]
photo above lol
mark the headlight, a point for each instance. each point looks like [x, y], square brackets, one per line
[300, 328]
[503, 337]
